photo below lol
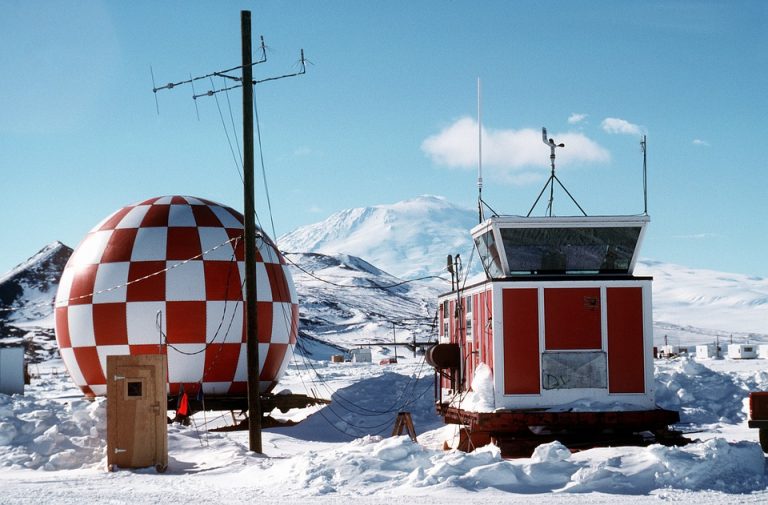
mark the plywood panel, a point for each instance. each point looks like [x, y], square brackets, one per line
[488, 304]
[521, 341]
[136, 411]
[626, 363]
[572, 319]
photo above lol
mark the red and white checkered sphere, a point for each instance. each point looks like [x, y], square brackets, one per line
[166, 276]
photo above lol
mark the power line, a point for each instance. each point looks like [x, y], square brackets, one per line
[125, 284]
[388, 286]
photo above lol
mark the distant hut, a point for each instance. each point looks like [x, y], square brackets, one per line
[742, 351]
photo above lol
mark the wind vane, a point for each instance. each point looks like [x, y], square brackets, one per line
[552, 178]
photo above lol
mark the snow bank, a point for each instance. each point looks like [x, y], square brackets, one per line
[50, 435]
[481, 397]
[702, 395]
[373, 465]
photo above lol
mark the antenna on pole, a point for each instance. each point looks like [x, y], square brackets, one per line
[479, 155]
[644, 147]
[251, 329]
[552, 146]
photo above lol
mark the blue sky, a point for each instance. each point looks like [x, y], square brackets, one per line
[387, 112]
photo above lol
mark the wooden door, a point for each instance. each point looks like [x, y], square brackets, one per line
[136, 417]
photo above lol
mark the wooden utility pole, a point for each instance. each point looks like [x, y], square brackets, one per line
[251, 328]
[394, 340]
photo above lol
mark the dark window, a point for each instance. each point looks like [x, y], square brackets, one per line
[134, 389]
[570, 250]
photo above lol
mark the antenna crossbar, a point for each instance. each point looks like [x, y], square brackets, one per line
[218, 73]
[212, 92]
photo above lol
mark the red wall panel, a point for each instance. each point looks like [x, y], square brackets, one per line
[521, 341]
[572, 318]
[626, 365]
[483, 324]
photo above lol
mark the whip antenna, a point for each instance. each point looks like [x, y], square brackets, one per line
[479, 155]
[644, 147]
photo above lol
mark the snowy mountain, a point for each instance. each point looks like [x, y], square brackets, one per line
[697, 306]
[346, 301]
[343, 299]
[408, 239]
[33, 283]
[26, 301]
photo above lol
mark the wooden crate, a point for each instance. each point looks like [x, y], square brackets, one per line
[137, 431]
[758, 406]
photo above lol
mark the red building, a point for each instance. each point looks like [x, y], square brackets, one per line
[563, 324]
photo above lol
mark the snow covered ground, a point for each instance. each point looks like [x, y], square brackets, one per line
[52, 448]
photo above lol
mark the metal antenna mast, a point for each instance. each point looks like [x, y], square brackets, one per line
[246, 82]
[644, 147]
[552, 178]
[479, 156]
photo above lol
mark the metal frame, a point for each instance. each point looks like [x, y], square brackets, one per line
[496, 223]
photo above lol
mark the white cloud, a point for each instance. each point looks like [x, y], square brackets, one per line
[576, 118]
[509, 155]
[621, 126]
[699, 142]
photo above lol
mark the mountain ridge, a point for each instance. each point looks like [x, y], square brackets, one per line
[31, 284]
[404, 238]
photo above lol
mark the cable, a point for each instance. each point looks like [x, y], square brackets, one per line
[80, 297]
[234, 129]
[383, 425]
[226, 133]
[263, 169]
[390, 286]
[405, 398]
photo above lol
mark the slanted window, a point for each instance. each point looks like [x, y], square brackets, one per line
[468, 317]
[586, 250]
[489, 254]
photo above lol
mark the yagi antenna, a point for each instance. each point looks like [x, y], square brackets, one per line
[220, 73]
[552, 178]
